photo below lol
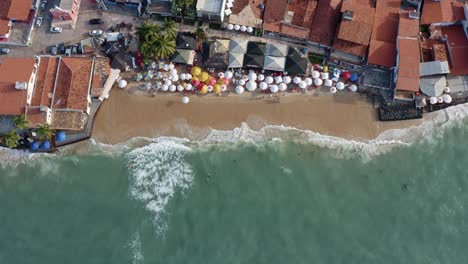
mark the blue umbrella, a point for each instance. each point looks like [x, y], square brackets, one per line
[61, 136]
[45, 145]
[353, 77]
[153, 65]
[34, 146]
[138, 77]
[149, 75]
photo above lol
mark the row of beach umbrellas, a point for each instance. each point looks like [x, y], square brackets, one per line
[239, 28]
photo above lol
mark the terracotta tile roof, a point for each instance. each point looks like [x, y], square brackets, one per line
[247, 13]
[274, 15]
[355, 32]
[326, 18]
[458, 12]
[458, 46]
[382, 53]
[71, 91]
[408, 67]
[16, 69]
[19, 9]
[35, 116]
[304, 11]
[13, 101]
[350, 47]
[439, 52]
[408, 27]
[66, 119]
[45, 81]
[295, 31]
[4, 26]
[437, 12]
[239, 5]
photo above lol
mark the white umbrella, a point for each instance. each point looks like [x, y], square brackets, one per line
[251, 86]
[210, 88]
[315, 74]
[282, 87]
[263, 86]
[168, 82]
[340, 86]
[122, 83]
[440, 99]
[241, 82]
[236, 27]
[173, 71]
[308, 81]
[447, 98]
[175, 78]
[228, 75]
[353, 88]
[220, 74]
[328, 83]
[172, 67]
[287, 79]
[239, 89]
[228, 12]
[249, 29]
[278, 79]
[230, 26]
[172, 88]
[274, 88]
[185, 100]
[165, 87]
[297, 80]
[165, 67]
[188, 87]
[318, 82]
[261, 77]
[183, 76]
[252, 76]
[324, 75]
[243, 28]
[447, 89]
[333, 90]
[188, 76]
[269, 80]
[180, 88]
[433, 100]
[302, 85]
[223, 88]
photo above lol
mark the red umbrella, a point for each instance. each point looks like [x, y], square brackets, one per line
[196, 82]
[226, 81]
[346, 75]
[212, 81]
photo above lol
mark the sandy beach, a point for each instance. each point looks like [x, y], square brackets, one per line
[129, 113]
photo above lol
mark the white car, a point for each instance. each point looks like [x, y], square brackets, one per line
[95, 32]
[38, 21]
[56, 29]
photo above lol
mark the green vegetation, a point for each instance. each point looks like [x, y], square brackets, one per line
[44, 132]
[315, 59]
[157, 42]
[186, 8]
[201, 34]
[10, 139]
[21, 122]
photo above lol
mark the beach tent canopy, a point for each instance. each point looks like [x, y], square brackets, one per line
[213, 59]
[253, 61]
[184, 56]
[276, 50]
[432, 85]
[238, 46]
[256, 48]
[295, 52]
[186, 41]
[222, 45]
[274, 63]
[236, 60]
[296, 65]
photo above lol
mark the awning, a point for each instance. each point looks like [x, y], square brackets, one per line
[238, 46]
[274, 63]
[236, 60]
[253, 61]
[184, 56]
[277, 50]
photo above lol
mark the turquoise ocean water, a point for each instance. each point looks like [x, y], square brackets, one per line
[270, 197]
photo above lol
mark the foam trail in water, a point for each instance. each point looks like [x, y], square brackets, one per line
[135, 247]
[157, 171]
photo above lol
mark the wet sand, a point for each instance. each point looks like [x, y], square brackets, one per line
[129, 113]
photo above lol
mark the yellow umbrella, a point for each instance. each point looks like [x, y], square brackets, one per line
[204, 89]
[196, 71]
[217, 88]
[221, 81]
[194, 78]
[204, 76]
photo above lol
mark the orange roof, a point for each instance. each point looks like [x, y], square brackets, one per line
[327, 16]
[458, 46]
[295, 31]
[35, 116]
[408, 27]
[15, 9]
[4, 26]
[355, 31]
[408, 67]
[382, 53]
[274, 14]
[46, 74]
[385, 29]
[436, 12]
[16, 69]
[350, 47]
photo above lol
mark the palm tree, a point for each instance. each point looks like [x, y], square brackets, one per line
[164, 46]
[148, 28]
[185, 4]
[201, 34]
[44, 132]
[10, 139]
[21, 122]
[170, 27]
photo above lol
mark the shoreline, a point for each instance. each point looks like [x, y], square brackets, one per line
[130, 113]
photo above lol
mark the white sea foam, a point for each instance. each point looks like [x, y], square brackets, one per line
[157, 172]
[135, 247]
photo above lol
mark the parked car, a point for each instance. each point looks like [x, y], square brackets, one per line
[43, 5]
[53, 49]
[68, 51]
[75, 49]
[79, 48]
[61, 48]
[56, 29]
[95, 32]
[4, 50]
[38, 21]
[95, 21]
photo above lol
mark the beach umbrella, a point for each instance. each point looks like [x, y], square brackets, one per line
[318, 82]
[282, 87]
[153, 65]
[274, 88]
[329, 83]
[45, 145]
[269, 80]
[433, 100]
[34, 146]
[171, 66]
[308, 81]
[212, 81]
[296, 80]
[346, 75]
[196, 71]
[122, 83]
[175, 78]
[220, 74]
[261, 77]
[252, 76]
[165, 67]
[287, 79]
[243, 28]
[223, 88]
[217, 88]
[156, 86]
[249, 29]
[447, 98]
[165, 87]
[353, 77]
[60, 136]
[173, 71]
[210, 88]
[353, 88]
[241, 82]
[278, 79]
[263, 86]
[138, 77]
[188, 76]
[180, 88]
[204, 76]
[228, 74]
[230, 26]
[303, 84]
[196, 82]
[324, 75]
[183, 77]
[447, 90]
[440, 99]
[236, 27]
[172, 88]
[315, 74]
[204, 89]
[220, 81]
[189, 87]
[146, 86]
[226, 81]
[251, 86]
[239, 89]
[168, 82]
[340, 86]
[332, 90]
[185, 100]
